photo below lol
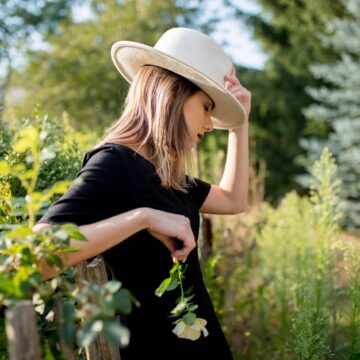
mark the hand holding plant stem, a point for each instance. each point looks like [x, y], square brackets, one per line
[188, 326]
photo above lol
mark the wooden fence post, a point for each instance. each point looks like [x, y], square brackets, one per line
[22, 332]
[95, 272]
[205, 229]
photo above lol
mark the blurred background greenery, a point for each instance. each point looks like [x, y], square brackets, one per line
[265, 268]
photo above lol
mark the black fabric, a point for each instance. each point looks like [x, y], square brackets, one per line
[116, 179]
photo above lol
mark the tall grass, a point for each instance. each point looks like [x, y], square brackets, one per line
[290, 287]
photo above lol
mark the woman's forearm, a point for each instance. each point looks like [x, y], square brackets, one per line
[101, 236]
[235, 178]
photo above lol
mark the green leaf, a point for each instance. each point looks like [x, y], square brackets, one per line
[189, 290]
[87, 335]
[163, 286]
[4, 168]
[73, 231]
[60, 187]
[192, 308]
[116, 333]
[21, 285]
[18, 169]
[61, 235]
[26, 257]
[189, 318]
[173, 285]
[21, 146]
[177, 266]
[123, 301]
[20, 232]
[54, 261]
[179, 308]
[27, 137]
[28, 174]
[112, 286]
[6, 286]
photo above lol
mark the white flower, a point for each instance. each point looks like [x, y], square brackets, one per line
[47, 154]
[190, 332]
[43, 135]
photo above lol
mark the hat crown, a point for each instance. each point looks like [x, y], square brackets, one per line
[192, 55]
[196, 50]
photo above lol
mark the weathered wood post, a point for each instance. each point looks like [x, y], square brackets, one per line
[95, 272]
[22, 332]
[205, 227]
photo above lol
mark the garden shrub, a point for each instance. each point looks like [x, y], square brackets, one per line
[291, 290]
[34, 159]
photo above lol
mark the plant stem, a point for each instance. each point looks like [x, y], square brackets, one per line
[179, 273]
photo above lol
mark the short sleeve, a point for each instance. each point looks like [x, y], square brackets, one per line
[199, 191]
[100, 191]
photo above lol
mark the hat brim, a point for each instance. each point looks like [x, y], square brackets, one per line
[129, 56]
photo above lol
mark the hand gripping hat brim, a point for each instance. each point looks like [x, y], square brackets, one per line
[192, 55]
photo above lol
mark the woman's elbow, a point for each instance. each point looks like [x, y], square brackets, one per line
[240, 209]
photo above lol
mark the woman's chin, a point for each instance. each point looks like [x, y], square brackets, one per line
[191, 145]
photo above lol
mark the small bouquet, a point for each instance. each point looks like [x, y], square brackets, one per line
[188, 326]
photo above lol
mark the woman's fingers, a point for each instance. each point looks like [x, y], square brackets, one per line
[188, 245]
[172, 245]
[166, 240]
[174, 231]
[232, 80]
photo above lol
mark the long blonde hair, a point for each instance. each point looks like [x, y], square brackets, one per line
[153, 117]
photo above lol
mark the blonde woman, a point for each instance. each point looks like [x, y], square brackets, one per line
[137, 203]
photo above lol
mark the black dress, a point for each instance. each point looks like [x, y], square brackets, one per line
[116, 180]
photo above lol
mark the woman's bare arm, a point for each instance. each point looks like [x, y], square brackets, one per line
[109, 232]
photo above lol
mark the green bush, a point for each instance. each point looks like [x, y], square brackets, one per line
[21, 250]
[63, 165]
[293, 294]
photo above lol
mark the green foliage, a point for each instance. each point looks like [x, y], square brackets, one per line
[88, 309]
[288, 32]
[184, 307]
[295, 294]
[42, 16]
[61, 156]
[188, 325]
[101, 317]
[336, 105]
[76, 73]
[19, 20]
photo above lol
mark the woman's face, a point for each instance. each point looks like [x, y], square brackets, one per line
[197, 112]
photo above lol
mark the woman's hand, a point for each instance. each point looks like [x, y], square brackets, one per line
[171, 228]
[232, 83]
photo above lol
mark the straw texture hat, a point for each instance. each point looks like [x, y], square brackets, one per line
[193, 55]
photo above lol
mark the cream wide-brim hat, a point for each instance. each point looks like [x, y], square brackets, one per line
[193, 55]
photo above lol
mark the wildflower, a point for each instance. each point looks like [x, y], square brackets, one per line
[190, 332]
[188, 326]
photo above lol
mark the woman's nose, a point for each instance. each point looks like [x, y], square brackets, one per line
[209, 124]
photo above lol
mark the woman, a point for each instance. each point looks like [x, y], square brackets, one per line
[135, 186]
